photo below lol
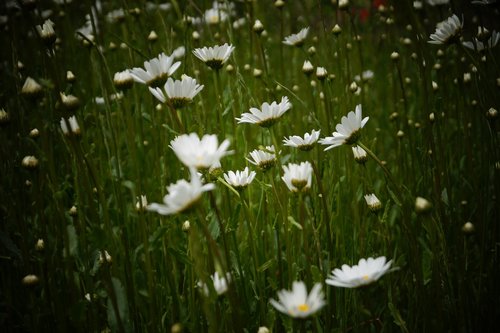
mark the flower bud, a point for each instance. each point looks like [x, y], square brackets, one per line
[336, 30]
[422, 205]
[185, 226]
[40, 245]
[258, 27]
[70, 102]
[30, 280]
[31, 88]
[30, 162]
[152, 37]
[468, 228]
[4, 117]
[321, 73]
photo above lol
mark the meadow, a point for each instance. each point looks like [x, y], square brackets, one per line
[249, 166]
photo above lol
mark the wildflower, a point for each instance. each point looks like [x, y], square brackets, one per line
[179, 52]
[179, 92]
[186, 226]
[181, 195]
[307, 68]
[359, 154]
[365, 76]
[31, 88]
[220, 284]
[447, 31]
[74, 128]
[263, 329]
[30, 162]
[258, 27]
[348, 131]
[321, 73]
[263, 159]
[267, 115]
[298, 177]
[279, 4]
[123, 80]
[30, 280]
[4, 117]
[156, 70]
[343, 4]
[153, 36]
[336, 30]
[70, 77]
[34, 133]
[306, 143]
[215, 56]
[70, 102]
[141, 204]
[468, 228]
[199, 153]
[422, 205]
[480, 46]
[296, 303]
[40, 245]
[46, 32]
[297, 39]
[240, 179]
[364, 273]
[373, 202]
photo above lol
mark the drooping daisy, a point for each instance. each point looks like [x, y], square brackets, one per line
[373, 202]
[179, 92]
[73, 128]
[297, 303]
[263, 159]
[123, 80]
[220, 284]
[199, 153]
[240, 179]
[156, 70]
[348, 131]
[297, 39]
[298, 177]
[481, 46]
[214, 56]
[268, 113]
[46, 32]
[447, 31]
[364, 273]
[360, 155]
[181, 195]
[306, 143]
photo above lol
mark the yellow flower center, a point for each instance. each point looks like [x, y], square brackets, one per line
[303, 307]
[366, 277]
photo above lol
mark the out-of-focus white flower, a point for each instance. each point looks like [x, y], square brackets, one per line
[220, 283]
[181, 195]
[447, 31]
[306, 143]
[321, 73]
[480, 46]
[199, 153]
[297, 303]
[359, 154]
[365, 76]
[268, 113]
[214, 56]
[348, 131]
[263, 159]
[364, 273]
[240, 179]
[74, 128]
[31, 88]
[297, 39]
[123, 80]
[46, 31]
[142, 203]
[179, 52]
[179, 92]
[156, 70]
[298, 177]
[307, 68]
[438, 2]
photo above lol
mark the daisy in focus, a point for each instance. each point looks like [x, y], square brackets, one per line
[268, 114]
[240, 179]
[181, 195]
[448, 31]
[364, 273]
[156, 70]
[298, 177]
[263, 159]
[373, 202]
[199, 153]
[297, 303]
[297, 39]
[179, 93]
[214, 56]
[348, 131]
[305, 144]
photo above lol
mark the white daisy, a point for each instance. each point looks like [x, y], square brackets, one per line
[263, 159]
[74, 128]
[220, 284]
[179, 92]
[365, 272]
[199, 153]
[214, 56]
[373, 202]
[267, 115]
[296, 303]
[123, 79]
[359, 154]
[156, 70]
[240, 179]
[447, 31]
[298, 177]
[306, 143]
[297, 39]
[480, 46]
[348, 131]
[46, 31]
[181, 195]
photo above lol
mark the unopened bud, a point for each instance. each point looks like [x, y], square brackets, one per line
[468, 228]
[422, 205]
[30, 280]
[30, 162]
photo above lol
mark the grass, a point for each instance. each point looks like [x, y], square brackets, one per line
[101, 262]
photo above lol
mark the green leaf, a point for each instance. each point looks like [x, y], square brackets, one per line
[122, 305]
[294, 223]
